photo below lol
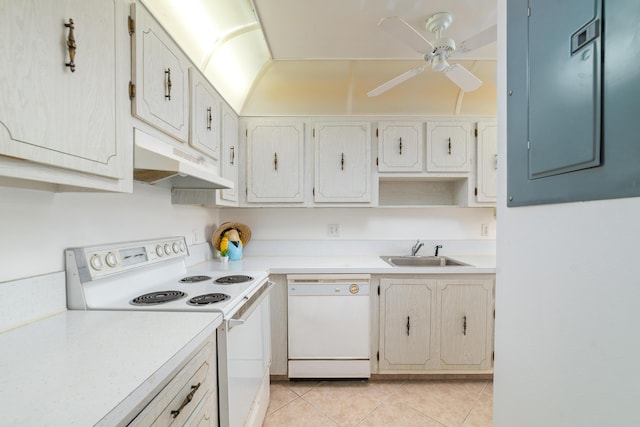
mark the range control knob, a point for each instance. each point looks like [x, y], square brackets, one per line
[111, 259]
[96, 262]
[182, 247]
[167, 249]
[159, 250]
[175, 247]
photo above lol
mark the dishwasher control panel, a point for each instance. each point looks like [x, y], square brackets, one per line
[328, 284]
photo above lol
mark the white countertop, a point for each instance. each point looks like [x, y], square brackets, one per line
[81, 368]
[373, 264]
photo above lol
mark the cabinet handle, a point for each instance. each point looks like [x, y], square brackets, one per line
[400, 146]
[167, 74]
[495, 166]
[449, 145]
[342, 161]
[186, 401]
[464, 325]
[233, 155]
[71, 44]
[275, 161]
[209, 119]
[408, 324]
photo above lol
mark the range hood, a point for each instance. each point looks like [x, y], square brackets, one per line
[155, 161]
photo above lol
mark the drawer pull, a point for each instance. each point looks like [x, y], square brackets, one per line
[71, 45]
[167, 74]
[186, 401]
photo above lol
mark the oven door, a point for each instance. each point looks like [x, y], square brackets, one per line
[244, 357]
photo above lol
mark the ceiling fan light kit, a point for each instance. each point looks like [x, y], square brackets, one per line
[436, 53]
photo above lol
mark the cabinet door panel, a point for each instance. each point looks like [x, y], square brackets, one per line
[466, 324]
[342, 162]
[406, 316]
[205, 116]
[400, 146]
[48, 113]
[448, 146]
[275, 154]
[160, 76]
[229, 155]
[487, 178]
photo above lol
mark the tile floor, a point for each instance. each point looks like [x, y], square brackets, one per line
[381, 403]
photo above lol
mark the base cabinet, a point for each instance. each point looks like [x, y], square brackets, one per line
[407, 311]
[429, 325]
[466, 324]
[190, 398]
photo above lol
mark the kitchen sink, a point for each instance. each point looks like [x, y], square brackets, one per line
[421, 261]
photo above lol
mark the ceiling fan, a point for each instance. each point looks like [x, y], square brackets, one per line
[436, 53]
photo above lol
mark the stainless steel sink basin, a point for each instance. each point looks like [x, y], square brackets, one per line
[421, 261]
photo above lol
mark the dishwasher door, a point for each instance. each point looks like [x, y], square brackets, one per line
[329, 326]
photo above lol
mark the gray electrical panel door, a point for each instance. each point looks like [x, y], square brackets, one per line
[573, 100]
[564, 86]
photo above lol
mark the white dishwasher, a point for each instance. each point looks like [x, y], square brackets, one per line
[329, 326]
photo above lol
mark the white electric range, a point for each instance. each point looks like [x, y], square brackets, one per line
[152, 275]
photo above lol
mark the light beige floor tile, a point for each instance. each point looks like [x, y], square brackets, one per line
[297, 413]
[397, 414]
[279, 395]
[300, 387]
[347, 403]
[381, 403]
[482, 413]
[448, 402]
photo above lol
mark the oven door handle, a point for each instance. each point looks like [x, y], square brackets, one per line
[231, 323]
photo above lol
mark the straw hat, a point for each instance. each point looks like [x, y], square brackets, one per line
[245, 233]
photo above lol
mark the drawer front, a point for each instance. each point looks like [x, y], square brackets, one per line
[183, 395]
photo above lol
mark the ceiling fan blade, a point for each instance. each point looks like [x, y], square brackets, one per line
[396, 81]
[463, 78]
[405, 33]
[484, 37]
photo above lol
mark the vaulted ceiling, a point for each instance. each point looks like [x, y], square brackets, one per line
[303, 57]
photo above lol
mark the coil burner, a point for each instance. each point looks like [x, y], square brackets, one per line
[207, 299]
[230, 280]
[194, 279]
[158, 297]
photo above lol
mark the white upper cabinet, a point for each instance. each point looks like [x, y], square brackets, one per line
[229, 156]
[400, 146]
[449, 146]
[487, 174]
[63, 65]
[342, 161]
[275, 162]
[205, 116]
[160, 75]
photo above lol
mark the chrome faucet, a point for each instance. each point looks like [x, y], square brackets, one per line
[416, 247]
[437, 247]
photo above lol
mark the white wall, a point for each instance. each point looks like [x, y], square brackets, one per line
[36, 226]
[364, 223]
[567, 297]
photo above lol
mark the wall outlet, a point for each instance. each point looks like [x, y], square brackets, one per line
[333, 230]
[484, 230]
